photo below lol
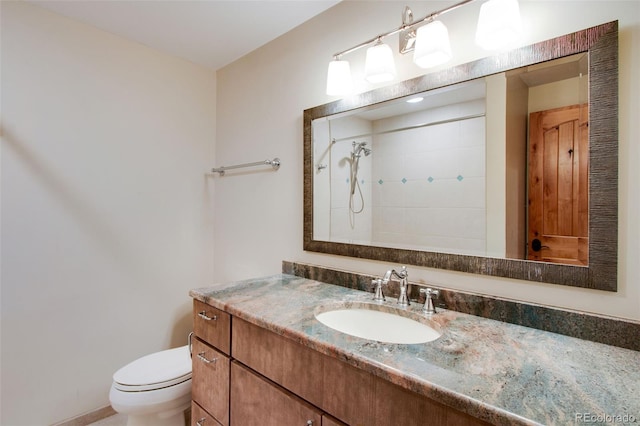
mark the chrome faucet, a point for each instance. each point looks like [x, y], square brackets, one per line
[403, 299]
[429, 293]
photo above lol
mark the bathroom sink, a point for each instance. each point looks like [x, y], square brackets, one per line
[374, 323]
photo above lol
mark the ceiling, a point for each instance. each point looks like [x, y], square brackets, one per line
[212, 33]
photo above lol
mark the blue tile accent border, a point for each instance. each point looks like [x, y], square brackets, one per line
[596, 328]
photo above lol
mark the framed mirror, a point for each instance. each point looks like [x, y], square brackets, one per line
[488, 173]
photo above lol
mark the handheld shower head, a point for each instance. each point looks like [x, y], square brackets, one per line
[358, 148]
[356, 153]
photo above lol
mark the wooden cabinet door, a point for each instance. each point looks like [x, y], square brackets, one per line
[256, 401]
[398, 406]
[210, 384]
[323, 381]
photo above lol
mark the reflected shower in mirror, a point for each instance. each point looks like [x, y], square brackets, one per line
[436, 153]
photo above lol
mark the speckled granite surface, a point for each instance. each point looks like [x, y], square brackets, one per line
[503, 373]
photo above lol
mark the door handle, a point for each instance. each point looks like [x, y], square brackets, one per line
[536, 245]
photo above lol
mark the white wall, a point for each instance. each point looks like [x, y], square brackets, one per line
[106, 210]
[260, 102]
[497, 202]
[571, 91]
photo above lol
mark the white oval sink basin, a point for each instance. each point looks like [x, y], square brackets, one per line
[376, 325]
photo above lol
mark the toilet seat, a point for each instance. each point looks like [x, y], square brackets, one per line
[155, 371]
[151, 387]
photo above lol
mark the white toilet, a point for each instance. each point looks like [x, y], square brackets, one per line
[155, 389]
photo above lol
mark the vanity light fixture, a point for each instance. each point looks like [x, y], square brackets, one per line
[415, 100]
[499, 22]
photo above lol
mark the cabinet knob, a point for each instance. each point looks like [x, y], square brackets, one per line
[205, 360]
[201, 421]
[204, 316]
[309, 422]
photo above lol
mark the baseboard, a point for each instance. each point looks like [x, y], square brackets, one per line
[88, 418]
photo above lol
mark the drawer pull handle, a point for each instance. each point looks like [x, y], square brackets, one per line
[201, 421]
[205, 360]
[204, 316]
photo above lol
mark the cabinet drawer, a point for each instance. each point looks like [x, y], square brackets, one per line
[212, 325]
[199, 417]
[210, 384]
[257, 401]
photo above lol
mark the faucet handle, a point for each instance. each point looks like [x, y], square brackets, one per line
[430, 291]
[429, 308]
[403, 272]
[378, 294]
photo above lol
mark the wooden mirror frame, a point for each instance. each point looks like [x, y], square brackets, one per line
[601, 42]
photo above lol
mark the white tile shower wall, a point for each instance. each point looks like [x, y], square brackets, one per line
[429, 183]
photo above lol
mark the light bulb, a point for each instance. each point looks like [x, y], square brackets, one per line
[339, 80]
[499, 24]
[432, 45]
[379, 65]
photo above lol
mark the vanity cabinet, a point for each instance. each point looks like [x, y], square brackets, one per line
[274, 381]
[354, 396]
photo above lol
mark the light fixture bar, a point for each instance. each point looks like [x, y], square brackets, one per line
[403, 27]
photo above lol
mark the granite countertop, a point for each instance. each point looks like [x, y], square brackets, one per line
[499, 372]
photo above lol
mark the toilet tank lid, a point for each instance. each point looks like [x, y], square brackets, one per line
[156, 368]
